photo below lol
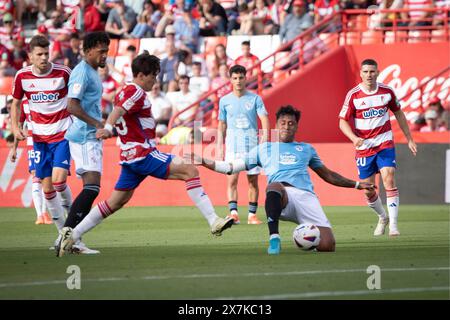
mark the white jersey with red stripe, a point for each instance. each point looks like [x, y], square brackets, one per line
[136, 128]
[47, 100]
[25, 118]
[370, 113]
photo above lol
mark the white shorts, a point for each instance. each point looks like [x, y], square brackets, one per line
[87, 157]
[304, 207]
[230, 156]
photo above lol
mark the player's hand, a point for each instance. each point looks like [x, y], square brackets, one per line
[413, 147]
[358, 142]
[13, 155]
[366, 186]
[102, 134]
[19, 134]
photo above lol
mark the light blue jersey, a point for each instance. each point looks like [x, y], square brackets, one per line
[286, 162]
[240, 115]
[86, 86]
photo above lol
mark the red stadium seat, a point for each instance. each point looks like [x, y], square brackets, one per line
[6, 85]
[212, 42]
[113, 46]
[418, 36]
[282, 59]
[439, 36]
[330, 39]
[350, 38]
[372, 37]
[124, 43]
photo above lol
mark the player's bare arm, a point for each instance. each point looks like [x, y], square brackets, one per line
[221, 132]
[74, 107]
[265, 129]
[401, 119]
[15, 116]
[336, 179]
[347, 130]
[106, 132]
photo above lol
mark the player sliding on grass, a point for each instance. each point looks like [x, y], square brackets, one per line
[289, 194]
[139, 158]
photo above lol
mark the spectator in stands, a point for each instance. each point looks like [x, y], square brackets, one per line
[187, 30]
[185, 63]
[72, 55]
[110, 87]
[439, 16]
[6, 62]
[362, 4]
[245, 21]
[131, 53]
[136, 5]
[161, 109]
[262, 21]
[324, 8]
[213, 20]
[277, 15]
[248, 60]
[143, 27]
[87, 18]
[296, 22]
[103, 9]
[231, 9]
[11, 35]
[385, 19]
[221, 79]
[169, 65]
[432, 122]
[121, 21]
[68, 7]
[443, 114]
[220, 57]
[417, 17]
[198, 83]
[181, 100]
[167, 19]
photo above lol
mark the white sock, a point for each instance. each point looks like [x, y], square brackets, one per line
[65, 193]
[44, 206]
[95, 216]
[37, 196]
[375, 203]
[55, 209]
[392, 201]
[201, 200]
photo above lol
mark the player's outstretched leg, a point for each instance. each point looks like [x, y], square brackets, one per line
[232, 182]
[392, 198]
[37, 196]
[189, 173]
[374, 202]
[253, 193]
[275, 198]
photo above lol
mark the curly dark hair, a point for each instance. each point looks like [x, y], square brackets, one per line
[289, 110]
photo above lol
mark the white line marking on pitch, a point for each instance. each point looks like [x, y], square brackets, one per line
[220, 275]
[332, 294]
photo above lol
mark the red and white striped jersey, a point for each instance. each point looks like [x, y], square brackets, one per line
[25, 118]
[69, 6]
[109, 85]
[416, 5]
[6, 6]
[136, 128]
[370, 113]
[47, 99]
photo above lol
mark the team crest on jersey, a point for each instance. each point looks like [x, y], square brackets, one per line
[44, 97]
[121, 95]
[299, 148]
[248, 106]
[288, 158]
[374, 113]
[76, 88]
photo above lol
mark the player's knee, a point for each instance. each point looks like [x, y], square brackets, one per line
[275, 187]
[191, 172]
[328, 245]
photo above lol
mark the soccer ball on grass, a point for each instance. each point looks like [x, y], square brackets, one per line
[306, 236]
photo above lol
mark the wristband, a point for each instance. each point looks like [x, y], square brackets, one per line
[356, 184]
[109, 128]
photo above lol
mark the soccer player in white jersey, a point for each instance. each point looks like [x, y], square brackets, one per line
[85, 95]
[238, 123]
[368, 106]
[139, 158]
[45, 86]
[290, 194]
[37, 195]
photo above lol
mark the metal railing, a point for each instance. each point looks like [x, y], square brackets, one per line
[340, 28]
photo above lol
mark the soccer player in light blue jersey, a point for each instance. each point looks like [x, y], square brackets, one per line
[85, 93]
[289, 194]
[238, 123]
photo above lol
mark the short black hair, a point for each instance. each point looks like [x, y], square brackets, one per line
[197, 63]
[238, 69]
[39, 41]
[245, 43]
[74, 35]
[93, 39]
[145, 63]
[183, 77]
[369, 62]
[131, 48]
[289, 110]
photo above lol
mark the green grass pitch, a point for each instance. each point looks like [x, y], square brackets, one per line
[168, 253]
